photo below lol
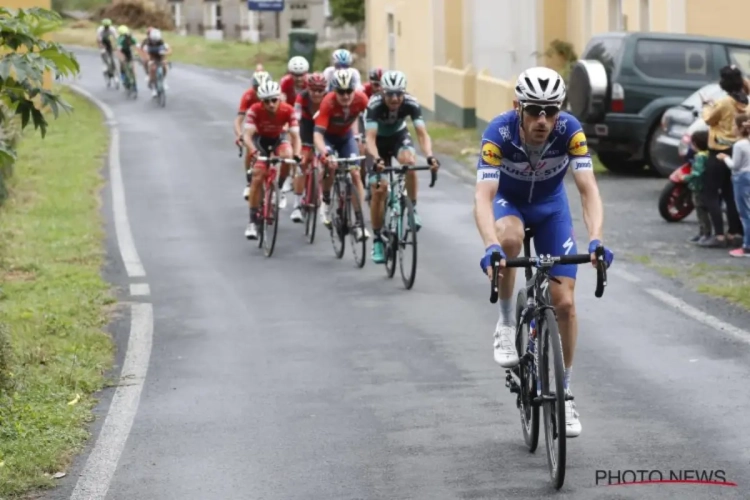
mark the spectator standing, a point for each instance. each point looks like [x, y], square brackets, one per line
[739, 164]
[717, 184]
[694, 180]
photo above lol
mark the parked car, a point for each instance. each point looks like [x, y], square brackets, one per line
[624, 83]
[672, 138]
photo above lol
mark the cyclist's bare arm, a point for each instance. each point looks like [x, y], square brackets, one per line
[484, 216]
[371, 138]
[425, 142]
[296, 141]
[591, 201]
[247, 136]
[320, 143]
[238, 124]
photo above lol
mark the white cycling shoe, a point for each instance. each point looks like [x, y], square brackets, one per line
[573, 426]
[324, 218]
[287, 187]
[505, 346]
[251, 232]
[296, 215]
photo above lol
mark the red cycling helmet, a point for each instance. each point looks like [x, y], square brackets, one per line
[316, 81]
[376, 74]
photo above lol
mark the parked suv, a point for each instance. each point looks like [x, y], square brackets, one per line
[625, 81]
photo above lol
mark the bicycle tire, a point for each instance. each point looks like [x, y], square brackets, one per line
[271, 223]
[354, 218]
[406, 231]
[529, 412]
[261, 211]
[313, 203]
[337, 221]
[390, 236]
[160, 93]
[554, 411]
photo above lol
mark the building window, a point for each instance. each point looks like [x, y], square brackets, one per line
[645, 14]
[176, 9]
[391, 42]
[615, 15]
[299, 23]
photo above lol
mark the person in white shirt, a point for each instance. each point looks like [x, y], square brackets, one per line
[342, 59]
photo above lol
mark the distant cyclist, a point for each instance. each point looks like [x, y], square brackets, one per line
[249, 97]
[105, 37]
[525, 155]
[342, 59]
[126, 42]
[156, 50]
[306, 106]
[295, 81]
[264, 133]
[335, 130]
[144, 58]
[370, 88]
[388, 137]
[373, 87]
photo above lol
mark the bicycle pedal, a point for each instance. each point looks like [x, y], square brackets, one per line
[569, 396]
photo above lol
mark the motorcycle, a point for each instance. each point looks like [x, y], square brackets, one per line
[676, 199]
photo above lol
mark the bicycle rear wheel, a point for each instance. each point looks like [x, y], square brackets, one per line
[553, 394]
[313, 203]
[338, 221]
[355, 219]
[271, 222]
[161, 94]
[526, 372]
[407, 243]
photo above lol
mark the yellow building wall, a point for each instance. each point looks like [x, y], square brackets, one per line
[454, 32]
[660, 16]
[715, 18]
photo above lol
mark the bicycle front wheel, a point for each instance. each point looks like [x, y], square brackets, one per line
[271, 220]
[355, 219]
[553, 394]
[526, 372]
[390, 237]
[407, 243]
[338, 221]
[311, 208]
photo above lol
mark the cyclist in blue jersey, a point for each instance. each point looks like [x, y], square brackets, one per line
[526, 153]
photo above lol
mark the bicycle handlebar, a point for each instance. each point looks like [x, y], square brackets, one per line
[549, 261]
[275, 159]
[405, 168]
[351, 159]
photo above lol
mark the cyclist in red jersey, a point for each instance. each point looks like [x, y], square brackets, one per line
[264, 135]
[307, 104]
[335, 130]
[370, 88]
[295, 81]
[248, 99]
[373, 86]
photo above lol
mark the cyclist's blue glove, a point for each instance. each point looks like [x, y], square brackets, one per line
[608, 255]
[485, 262]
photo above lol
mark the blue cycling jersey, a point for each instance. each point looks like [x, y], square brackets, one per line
[505, 160]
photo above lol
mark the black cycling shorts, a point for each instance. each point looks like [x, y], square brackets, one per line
[389, 146]
[267, 146]
[306, 131]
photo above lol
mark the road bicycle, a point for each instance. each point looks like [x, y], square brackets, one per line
[110, 78]
[129, 82]
[344, 217]
[268, 212]
[538, 338]
[311, 199]
[399, 226]
[161, 92]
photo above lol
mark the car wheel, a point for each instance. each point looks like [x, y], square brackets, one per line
[619, 164]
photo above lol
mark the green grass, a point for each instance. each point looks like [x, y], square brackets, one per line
[201, 52]
[54, 301]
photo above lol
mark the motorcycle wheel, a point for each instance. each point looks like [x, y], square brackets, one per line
[675, 202]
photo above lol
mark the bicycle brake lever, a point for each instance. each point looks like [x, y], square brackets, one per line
[601, 272]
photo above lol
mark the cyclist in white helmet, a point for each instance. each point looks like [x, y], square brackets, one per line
[525, 155]
[156, 51]
[342, 59]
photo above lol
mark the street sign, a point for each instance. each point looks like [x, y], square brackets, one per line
[266, 5]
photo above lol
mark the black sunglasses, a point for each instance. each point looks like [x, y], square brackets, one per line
[272, 100]
[344, 91]
[536, 110]
[394, 94]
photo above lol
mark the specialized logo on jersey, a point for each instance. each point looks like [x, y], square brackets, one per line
[545, 169]
[491, 154]
[577, 145]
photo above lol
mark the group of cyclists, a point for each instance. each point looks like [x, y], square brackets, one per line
[308, 115]
[153, 52]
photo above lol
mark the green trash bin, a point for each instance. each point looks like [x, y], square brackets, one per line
[302, 43]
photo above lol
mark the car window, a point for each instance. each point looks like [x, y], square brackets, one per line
[709, 93]
[606, 50]
[741, 57]
[674, 60]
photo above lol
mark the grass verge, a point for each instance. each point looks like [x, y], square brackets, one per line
[53, 300]
[201, 52]
[462, 144]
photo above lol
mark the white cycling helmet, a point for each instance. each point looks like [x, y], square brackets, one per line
[343, 79]
[154, 35]
[298, 65]
[268, 90]
[393, 81]
[540, 85]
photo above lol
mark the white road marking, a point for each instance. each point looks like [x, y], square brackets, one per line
[700, 316]
[622, 273]
[96, 477]
[139, 289]
[128, 252]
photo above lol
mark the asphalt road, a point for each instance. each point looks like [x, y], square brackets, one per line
[301, 377]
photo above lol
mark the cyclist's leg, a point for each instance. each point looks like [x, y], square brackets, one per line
[347, 149]
[306, 136]
[509, 228]
[379, 190]
[259, 175]
[408, 156]
[283, 149]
